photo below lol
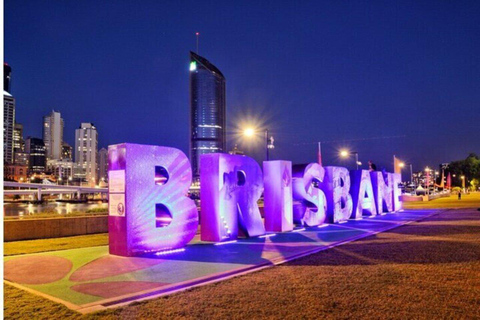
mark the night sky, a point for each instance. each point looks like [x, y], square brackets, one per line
[380, 78]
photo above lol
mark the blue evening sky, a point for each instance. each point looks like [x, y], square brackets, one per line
[379, 77]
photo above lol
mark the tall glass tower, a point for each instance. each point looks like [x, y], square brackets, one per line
[207, 111]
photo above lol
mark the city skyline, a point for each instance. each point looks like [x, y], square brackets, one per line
[389, 81]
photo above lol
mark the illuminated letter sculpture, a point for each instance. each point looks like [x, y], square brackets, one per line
[148, 207]
[230, 188]
[382, 192]
[361, 191]
[277, 180]
[336, 186]
[396, 179]
[310, 203]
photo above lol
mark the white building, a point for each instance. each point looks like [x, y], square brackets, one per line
[8, 127]
[53, 135]
[86, 151]
[62, 169]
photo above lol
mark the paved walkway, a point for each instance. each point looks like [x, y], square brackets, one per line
[89, 279]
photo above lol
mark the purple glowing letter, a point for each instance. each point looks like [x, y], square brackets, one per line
[148, 209]
[277, 179]
[382, 192]
[310, 203]
[230, 188]
[396, 179]
[336, 187]
[361, 191]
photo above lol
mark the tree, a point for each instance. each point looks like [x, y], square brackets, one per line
[470, 168]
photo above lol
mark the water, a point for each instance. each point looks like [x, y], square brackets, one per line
[24, 209]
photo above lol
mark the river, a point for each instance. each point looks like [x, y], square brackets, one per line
[23, 209]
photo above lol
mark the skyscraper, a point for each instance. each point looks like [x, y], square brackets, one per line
[86, 149]
[7, 77]
[207, 110]
[53, 135]
[37, 155]
[8, 127]
[20, 157]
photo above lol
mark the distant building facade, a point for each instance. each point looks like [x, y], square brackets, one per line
[67, 152]
[8, 127]
[86, 152]
[207, 110]
[15, 172]
[53, 135]
[103, 164]
[37, 157]
[63, 169]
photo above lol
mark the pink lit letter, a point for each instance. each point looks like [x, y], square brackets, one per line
[336, 187]
[382, 192]
[396, 179]
[230, 188]
[310, 204]
[148, 209]
[277, 179]
[361, 191]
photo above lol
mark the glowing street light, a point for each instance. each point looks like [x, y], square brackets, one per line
[345, 153]
[250, 132]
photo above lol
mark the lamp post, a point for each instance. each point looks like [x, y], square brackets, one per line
[266, 144]
[427, 180]
[346, 153]
[411, 173]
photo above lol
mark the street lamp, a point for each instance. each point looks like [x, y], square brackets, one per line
[250, 132]
[345, 153]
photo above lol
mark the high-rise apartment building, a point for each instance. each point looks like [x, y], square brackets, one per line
[53, 135]
[8, 127]
[86, 151]
[20, 157]
[36, 150]
[207, 110]
[103, 164]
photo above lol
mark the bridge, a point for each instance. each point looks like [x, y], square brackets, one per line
[39, 189]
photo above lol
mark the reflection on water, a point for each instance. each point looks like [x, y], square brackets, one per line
[23, 209]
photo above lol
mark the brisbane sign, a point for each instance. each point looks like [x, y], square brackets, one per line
[149, 210]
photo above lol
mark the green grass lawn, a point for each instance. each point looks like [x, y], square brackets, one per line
[471, 200]
[42, 245]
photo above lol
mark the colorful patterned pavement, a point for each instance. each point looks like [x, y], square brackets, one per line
[89, 279]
